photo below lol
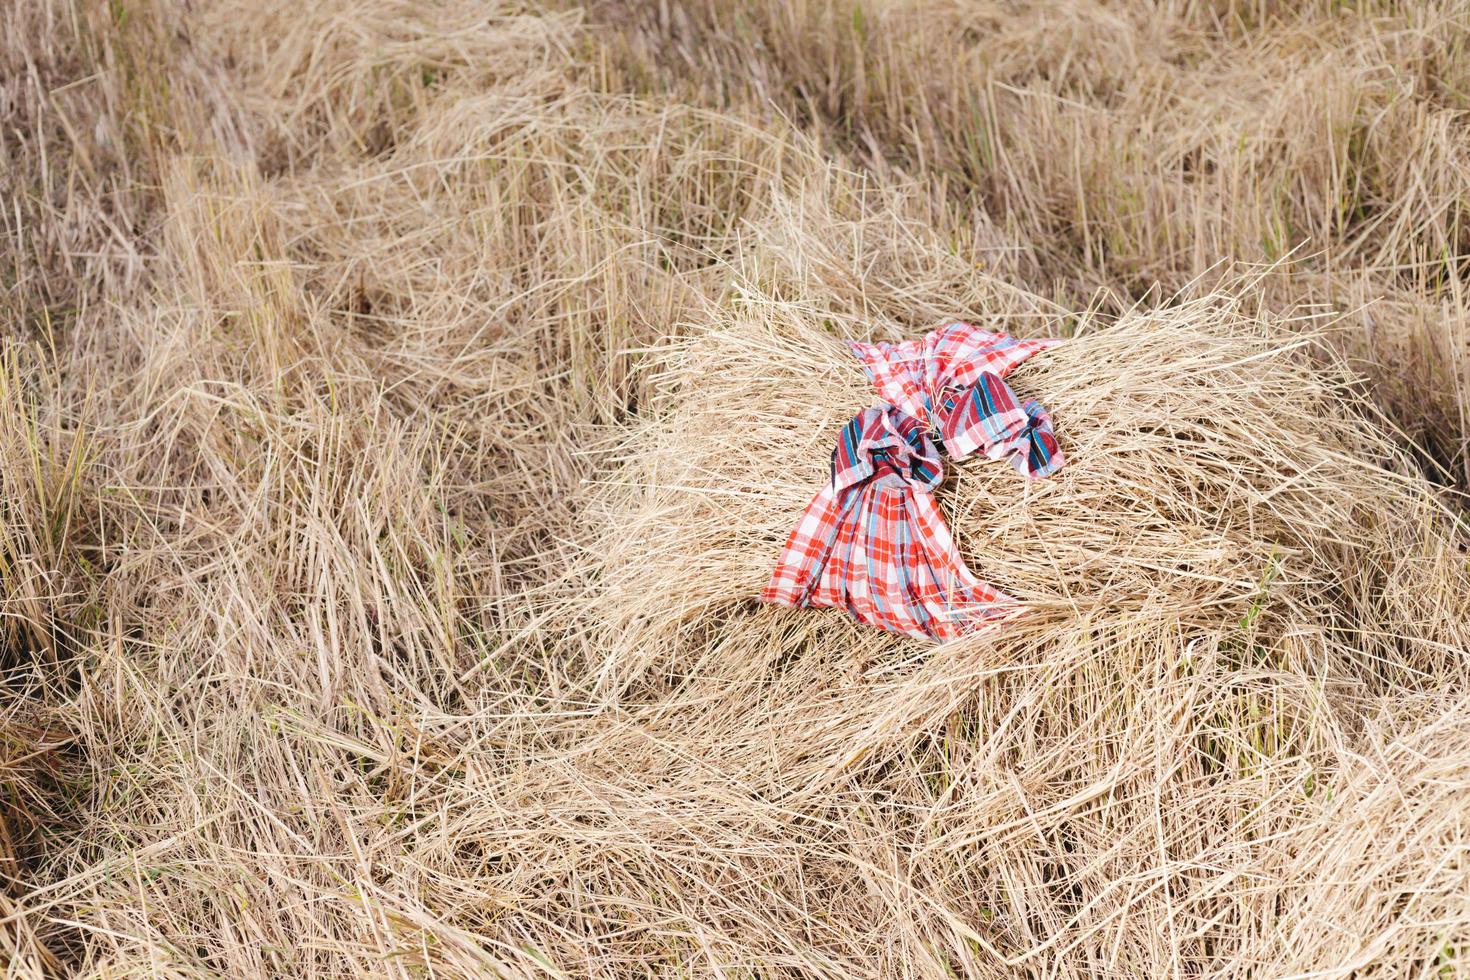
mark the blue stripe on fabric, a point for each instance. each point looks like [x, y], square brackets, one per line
[873, 594]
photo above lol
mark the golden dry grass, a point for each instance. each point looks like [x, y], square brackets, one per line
[401, 402]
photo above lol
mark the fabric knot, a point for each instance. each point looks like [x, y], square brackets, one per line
[884, 441]
[915, 374]
[987, 418]
[954, 378]
[873, 540]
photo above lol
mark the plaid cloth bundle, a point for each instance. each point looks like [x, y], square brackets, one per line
[873, 540]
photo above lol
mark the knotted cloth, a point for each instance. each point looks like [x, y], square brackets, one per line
[954, 378]
[873, 541]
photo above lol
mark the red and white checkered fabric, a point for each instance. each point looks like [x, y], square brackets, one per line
[873, 541]
[988, 418]
[913, 374]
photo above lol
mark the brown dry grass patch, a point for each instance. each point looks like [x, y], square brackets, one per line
[400, 403]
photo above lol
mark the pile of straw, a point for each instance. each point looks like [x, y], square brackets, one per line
[1232, 578]
[1216, 476]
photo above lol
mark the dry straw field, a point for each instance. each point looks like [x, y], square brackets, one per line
[401, 402]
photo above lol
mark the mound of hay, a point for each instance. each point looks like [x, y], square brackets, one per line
[1234, 575]
[1217, 480]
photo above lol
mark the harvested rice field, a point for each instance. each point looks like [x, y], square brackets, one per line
[403, 405]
